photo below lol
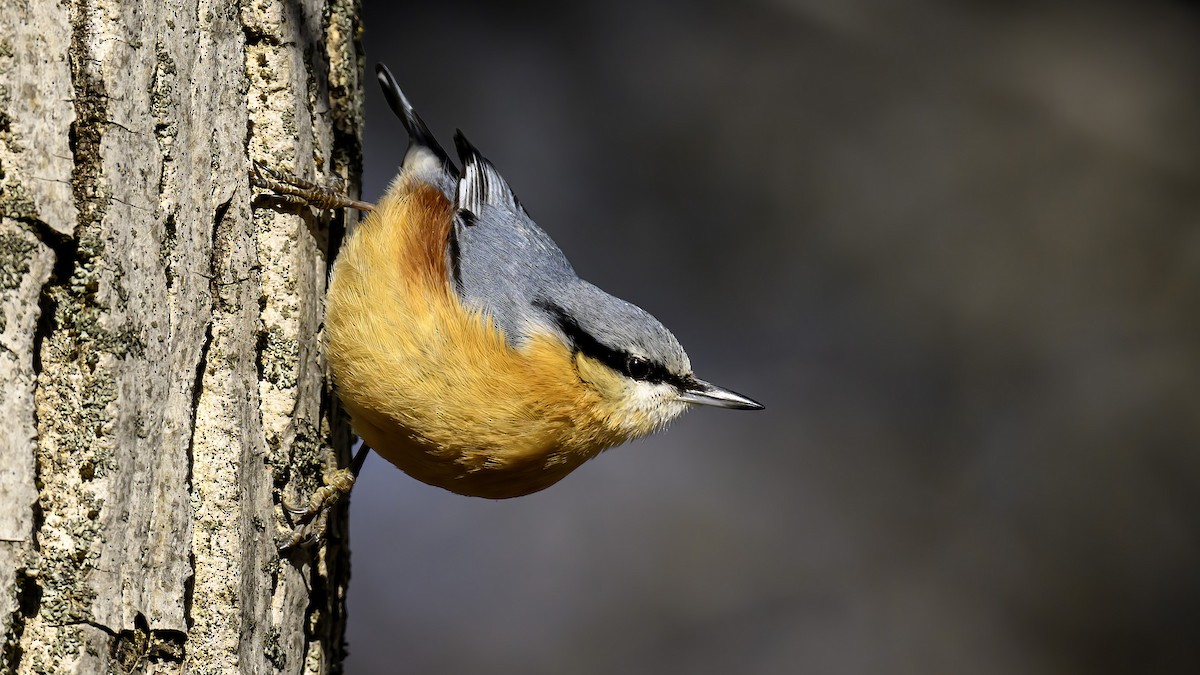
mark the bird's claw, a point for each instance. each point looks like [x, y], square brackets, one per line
[295, 190]
[313, 519]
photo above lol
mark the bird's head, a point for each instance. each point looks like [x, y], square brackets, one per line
[636, 365]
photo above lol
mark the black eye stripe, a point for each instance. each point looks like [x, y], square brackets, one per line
[631, 365]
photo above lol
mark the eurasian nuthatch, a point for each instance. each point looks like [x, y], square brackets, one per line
[468, 352]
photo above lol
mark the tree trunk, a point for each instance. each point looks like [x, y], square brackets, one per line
[161, 381]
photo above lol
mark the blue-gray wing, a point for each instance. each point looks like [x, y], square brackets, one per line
[500, 259]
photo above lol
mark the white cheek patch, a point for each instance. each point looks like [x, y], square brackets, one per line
[651, 405]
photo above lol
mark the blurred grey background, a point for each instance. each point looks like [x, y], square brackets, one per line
[954, 248]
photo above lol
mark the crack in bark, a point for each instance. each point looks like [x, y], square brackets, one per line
[29, 600]
[189, 588]
[65, 250]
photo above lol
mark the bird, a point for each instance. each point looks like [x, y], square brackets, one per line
[464, 346]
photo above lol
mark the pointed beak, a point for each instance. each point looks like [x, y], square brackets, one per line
[704, 393]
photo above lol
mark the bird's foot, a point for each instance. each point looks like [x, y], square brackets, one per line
[295, 190]
[313, 519]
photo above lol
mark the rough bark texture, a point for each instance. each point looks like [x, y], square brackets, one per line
[162, 382]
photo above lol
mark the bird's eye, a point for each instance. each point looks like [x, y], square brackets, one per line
[637, 367]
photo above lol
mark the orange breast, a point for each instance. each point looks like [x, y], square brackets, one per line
[436, 389]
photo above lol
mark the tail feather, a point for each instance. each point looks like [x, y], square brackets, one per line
[481, 183]
[419, 135]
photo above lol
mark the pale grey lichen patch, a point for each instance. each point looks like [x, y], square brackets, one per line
[15, 254]
[81, 332]
[288, 120]
[273, 650]
[74, 419]
[15, 200]
[166, 250]
[307, 459]
[164, 108]
[277, 355]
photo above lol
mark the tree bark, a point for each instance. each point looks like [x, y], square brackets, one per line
[161, 381]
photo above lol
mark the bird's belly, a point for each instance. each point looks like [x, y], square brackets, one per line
[462, 467]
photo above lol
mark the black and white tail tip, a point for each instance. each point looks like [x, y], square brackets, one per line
[418, 132]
